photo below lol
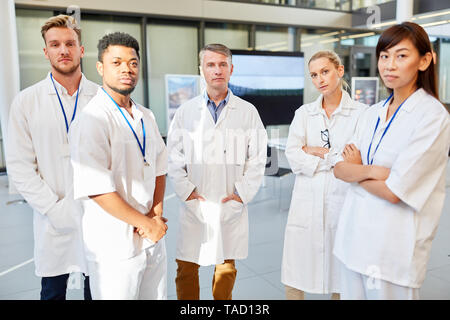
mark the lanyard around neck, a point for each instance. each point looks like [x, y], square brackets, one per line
[385, 130]
[141, 147]
[62, 107]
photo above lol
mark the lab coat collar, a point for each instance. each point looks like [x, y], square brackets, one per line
[137, 114]
[344, 108]
[230, 104]
[84, 89]
[414, 100]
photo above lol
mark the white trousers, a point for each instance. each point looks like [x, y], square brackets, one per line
[143, 277]
[356, 286]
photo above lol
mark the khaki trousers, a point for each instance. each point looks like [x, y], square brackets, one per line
[187, 281]
[295, 294]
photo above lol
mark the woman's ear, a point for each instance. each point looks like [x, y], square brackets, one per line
[425, 61]
[341, 71]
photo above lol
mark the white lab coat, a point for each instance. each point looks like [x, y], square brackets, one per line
[308, 263]
[388, 241]
[216, 159]
[106, 158]
[38, 163]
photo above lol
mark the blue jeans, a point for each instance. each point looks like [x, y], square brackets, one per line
[54, 288]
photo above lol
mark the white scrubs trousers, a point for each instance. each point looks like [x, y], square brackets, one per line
[143, 277]
[356, 286]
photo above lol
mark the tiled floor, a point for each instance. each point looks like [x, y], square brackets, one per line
[258, 276]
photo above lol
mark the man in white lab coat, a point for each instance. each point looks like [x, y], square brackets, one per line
[217, 153]
[38, 156]
[120, 161]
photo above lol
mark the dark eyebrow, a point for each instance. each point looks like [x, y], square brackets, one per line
[401, 49]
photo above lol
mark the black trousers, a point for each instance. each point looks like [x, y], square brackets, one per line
[54, 288]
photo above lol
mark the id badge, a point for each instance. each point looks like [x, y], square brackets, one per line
[147, 172]
[65, 150]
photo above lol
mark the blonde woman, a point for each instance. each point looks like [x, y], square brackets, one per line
[317, 136]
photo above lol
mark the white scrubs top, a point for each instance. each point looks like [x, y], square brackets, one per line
[388, 241]
[106, 158]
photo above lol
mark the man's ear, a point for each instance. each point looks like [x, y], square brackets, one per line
[82, 51]
[46, 53]
[100, 68]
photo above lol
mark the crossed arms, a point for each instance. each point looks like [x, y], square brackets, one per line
[371, 177]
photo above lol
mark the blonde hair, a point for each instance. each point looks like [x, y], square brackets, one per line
[334, 59]
[61, 21]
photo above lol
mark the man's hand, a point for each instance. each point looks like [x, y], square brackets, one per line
[154, 229]
[194, 195]
[234, 197]
[316, 151]
[352, 154]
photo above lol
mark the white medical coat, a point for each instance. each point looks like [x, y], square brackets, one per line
[215, 159]
[38, 164]
[308, 263]
[106, 158]
[389, 241]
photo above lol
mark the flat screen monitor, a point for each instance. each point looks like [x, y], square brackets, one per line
[272, 81]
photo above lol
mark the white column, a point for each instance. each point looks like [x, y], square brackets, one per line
[404, 10]
[9, 63]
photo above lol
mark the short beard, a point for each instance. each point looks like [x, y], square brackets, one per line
[66, 73]
[124, 92]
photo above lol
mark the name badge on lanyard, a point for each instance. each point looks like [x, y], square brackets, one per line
[147, 169]
[370, 161]
[65, 149]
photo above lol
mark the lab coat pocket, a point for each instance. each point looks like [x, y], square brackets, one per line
[193, 210]
[300, 212]
[231, 210]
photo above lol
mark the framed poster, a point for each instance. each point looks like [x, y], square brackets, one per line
[365, 89]
[179, 89]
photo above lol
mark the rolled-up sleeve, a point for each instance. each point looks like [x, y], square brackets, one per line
[91, 156]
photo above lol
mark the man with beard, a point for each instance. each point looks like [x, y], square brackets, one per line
[120, 162]
[38, 156]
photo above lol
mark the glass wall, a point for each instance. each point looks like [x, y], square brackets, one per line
[33, 64]
[172, 49]
[234, 36]
[94, 27]
[274, 38]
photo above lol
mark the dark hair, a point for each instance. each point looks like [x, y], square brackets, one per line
[116, 39]
[408, 30]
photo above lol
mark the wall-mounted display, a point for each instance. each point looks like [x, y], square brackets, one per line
[365, 89]
[272, 81]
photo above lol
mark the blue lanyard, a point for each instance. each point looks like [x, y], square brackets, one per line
[62, 107]
[142, 148]
[385, 130]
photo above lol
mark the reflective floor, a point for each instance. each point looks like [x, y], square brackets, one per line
[258, 276]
